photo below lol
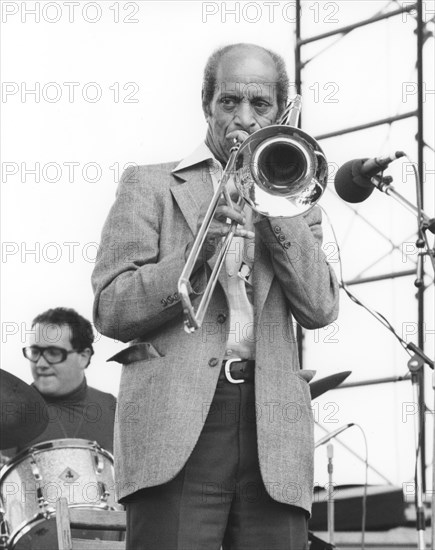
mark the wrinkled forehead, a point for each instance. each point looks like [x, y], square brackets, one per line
[49, 334]
[248, 73]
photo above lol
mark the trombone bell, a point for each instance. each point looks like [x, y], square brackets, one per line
[280, 171]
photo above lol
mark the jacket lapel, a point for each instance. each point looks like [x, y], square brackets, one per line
[191, 188]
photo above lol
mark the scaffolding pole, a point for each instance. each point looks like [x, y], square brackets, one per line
[418, 113]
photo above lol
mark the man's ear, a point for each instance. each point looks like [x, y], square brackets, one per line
[205, 107]
[206, 111]
[85, 357]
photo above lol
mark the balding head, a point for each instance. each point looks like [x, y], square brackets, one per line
[252, 55]
[240, 95]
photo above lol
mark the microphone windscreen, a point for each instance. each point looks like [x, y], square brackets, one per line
[350, 184]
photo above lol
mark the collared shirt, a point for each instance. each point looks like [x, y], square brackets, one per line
[235, 278]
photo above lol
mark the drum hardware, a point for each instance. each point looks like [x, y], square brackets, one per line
[104, 493]
[4, 528]
[42, 502]
[35, 470]
[32, 482]
[99, 465]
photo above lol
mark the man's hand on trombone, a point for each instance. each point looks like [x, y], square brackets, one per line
[220, 226]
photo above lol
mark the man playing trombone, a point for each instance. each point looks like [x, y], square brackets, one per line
[219, 450]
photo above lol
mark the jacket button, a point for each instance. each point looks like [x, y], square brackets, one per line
[170, 299]
[213, 362]
[277, 229]
[176, 297]
[164, 302]
[281, 237]
[287, 245]
[221, 318]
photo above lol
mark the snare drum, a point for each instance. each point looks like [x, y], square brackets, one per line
[32, 482]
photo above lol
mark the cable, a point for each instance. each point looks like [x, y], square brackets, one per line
[381, 318]
[420, 230]
[366, 462]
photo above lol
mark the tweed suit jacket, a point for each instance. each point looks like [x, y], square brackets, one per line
[166, 392]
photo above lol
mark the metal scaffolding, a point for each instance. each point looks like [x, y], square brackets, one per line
[416, 11]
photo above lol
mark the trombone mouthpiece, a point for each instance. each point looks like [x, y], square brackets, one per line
[235, 146]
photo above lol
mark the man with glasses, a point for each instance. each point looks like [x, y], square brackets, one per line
[59, 351]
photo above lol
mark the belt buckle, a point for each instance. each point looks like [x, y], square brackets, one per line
[228, 376]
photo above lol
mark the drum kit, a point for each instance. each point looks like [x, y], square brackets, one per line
[33, 480]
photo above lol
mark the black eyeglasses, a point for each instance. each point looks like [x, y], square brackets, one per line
[52, 354]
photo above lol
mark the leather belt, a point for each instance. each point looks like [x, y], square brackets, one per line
[237, 370]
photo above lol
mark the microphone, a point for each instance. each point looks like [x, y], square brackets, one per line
[353, 179]
[333, 434]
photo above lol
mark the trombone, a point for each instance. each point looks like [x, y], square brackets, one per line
[279, 171]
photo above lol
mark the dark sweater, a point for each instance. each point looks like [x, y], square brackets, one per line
[85, 413]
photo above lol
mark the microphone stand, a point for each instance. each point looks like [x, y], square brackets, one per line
[331, 509]
[330, 453]
[425, 222]
[415, 364]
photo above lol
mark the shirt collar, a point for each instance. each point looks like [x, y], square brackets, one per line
[201, 154]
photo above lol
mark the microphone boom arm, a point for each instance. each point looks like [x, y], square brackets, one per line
[384, 185]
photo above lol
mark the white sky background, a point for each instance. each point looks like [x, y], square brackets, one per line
[157, 63]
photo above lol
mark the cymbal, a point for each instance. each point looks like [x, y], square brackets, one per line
[21, 412]
[328, 383]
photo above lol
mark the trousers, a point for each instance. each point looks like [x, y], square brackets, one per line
[218, 500]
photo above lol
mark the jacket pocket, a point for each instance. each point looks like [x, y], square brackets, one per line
[143, 351]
